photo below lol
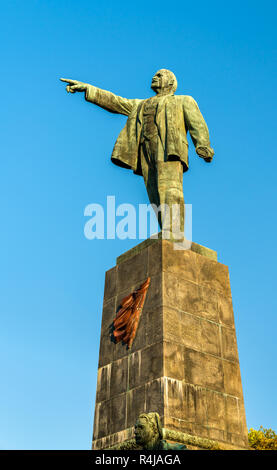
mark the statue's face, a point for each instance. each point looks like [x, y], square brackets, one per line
[160, 80]
[143, 432]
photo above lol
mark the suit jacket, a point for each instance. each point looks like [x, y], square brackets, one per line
[175, 115]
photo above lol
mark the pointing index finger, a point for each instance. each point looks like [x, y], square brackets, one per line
[72, 82]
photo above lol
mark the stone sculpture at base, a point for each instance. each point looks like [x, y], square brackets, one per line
[149, 434]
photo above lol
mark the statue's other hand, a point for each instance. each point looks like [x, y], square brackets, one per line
[74, 85]
[206, 153]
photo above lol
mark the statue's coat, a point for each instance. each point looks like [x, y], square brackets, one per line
[176, 114]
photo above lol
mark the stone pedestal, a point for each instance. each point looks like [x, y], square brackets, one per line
[183, 363]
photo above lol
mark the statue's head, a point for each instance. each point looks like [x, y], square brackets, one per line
[148, 430]
[164, 81]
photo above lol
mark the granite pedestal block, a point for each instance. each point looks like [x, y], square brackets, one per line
[184, 361]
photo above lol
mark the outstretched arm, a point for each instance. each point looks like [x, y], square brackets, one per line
[198, 129]
[104, 99]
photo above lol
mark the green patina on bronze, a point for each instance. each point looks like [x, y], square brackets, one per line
[149, 433]
[153, 143]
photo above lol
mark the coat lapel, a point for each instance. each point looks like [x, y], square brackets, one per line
[160, 119]
[140, 112]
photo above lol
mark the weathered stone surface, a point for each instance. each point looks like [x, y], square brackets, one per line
[106, 353]
[102, 419]
[135, 404]
[171, 318]
[117, 418]
[232, 379]
[215, 434]
[225, 308]
[174, 398]
[204, 370]
[155, 258]
[152, 325]
[104, 382]
[210, 338]
[136, 250]
[213, 275]
[119, 377]
[176, 424]
[132, 272]
[215, 410]
[204, 251]
[233, 421]
[229, 344]
[154, 298]
[174, 360]
[242, 419]
[154, 397]
[154, 242]
[145, 365]
[183, 363]
[196, 404]
[110, 284]
[180, 293]
[182, 263]
[209, 304]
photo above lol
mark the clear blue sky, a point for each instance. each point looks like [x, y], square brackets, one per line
[55, 151]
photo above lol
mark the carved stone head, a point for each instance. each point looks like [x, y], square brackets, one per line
[148, 430]
[164, 81]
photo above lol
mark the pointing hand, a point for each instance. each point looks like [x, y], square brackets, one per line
[74, 85]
